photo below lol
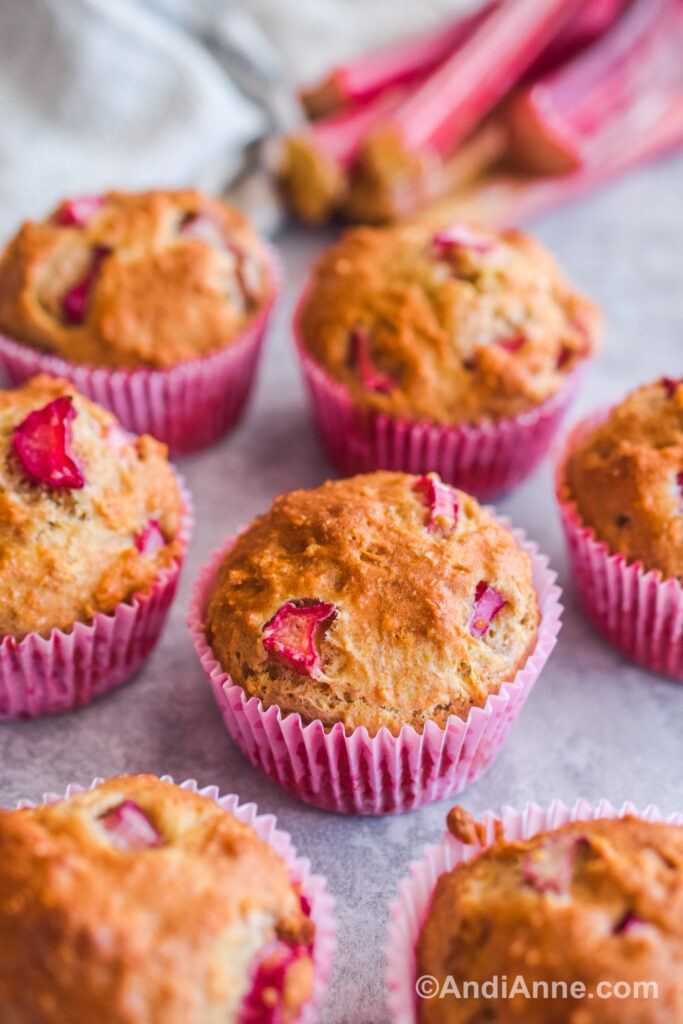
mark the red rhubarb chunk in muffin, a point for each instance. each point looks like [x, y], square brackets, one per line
[153, 279]
[460, 324]
[155, 904]
[354, 603]
[89, 515]
[625, 477]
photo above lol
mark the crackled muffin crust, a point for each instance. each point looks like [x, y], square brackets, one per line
[626, 478]
[89, 515]
[590, 902]
[460, 325]
[139, 902]
[380, 600]
[130, 280]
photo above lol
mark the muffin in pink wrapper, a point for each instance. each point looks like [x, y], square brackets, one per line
[456, 351]
[254, 943]
[94, 524]
[575, 887]
[371, 642]
[619, 486]
[155, 305]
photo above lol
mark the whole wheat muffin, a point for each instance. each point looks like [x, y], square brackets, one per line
[140, 902]
[626, 478]
[380, 600]
[590, 903]
[88, 514]
[130, 280]
[459, 326]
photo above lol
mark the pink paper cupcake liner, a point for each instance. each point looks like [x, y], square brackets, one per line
[188, 406]
[40, 676]
[638, 612]
[313, 888]
[484, 460]
[360, 774]
[409, 910]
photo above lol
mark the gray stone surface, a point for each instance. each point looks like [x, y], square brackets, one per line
[594, 725]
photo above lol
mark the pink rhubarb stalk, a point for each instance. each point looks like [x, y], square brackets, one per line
[78, 211]
[129, 828]
[461, 236]
[263, 1003]
[442, 502]
[549, 867]
[487, 604]
[43, 443]
[75, 302]
[151, 540]
[371, 378]
[293, 633]
[614, 90]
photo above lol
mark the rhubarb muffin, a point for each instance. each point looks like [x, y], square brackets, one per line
[593, 909]
[385, 600]
[140, 901]
[625, 477]
[89, 515]
[134, 280]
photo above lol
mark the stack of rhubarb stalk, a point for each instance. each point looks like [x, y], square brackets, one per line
[500, 115]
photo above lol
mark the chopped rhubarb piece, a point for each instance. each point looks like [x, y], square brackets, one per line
[293, 632]
[564, 356]
[263, 1003]
[43, 443]
[75, 302]
[461, 236]
[512, 344]
[151, 540]
[78, 211]
[670, 385]
[403, 63]
[442, 501]
[201, 227]
[373, 379]
[487, 604]
[550, 866]
[631, 924]
[615, 89]
[588, 24]
[129, 828]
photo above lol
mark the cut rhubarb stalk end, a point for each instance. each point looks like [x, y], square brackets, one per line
[78, 211]
[263, 1003]
[631, 924]
[563, 357]
[372, 379]
[129, 828]
[442, 502]
[616, 89]
[550, 866]
[461, 236]
[512, 344]
[75, 302]
[404, 63]
[151, 540]
[487, 604]
[670, 386]
[201, 227]
[43, 443]
[292, 635]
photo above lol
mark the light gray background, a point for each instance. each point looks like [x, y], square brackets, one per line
[594, 726]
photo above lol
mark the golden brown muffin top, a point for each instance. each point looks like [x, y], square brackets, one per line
[380, 600]
[151, 279]
[89, 515]
[626, 477]
[140, 902]
[590, 902]
[455, 326]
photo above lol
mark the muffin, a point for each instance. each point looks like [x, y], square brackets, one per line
[154, 284]
[456, 332]
[620, 490]
[141, 901]
[596, 906]
[93, 526]
[382, 603]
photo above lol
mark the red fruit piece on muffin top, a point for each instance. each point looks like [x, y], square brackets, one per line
[293, 632]
[43, 443]
[129, 828]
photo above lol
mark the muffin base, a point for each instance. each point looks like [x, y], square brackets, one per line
[313, 887]
[360, 774]
[638, 612]
[485, 460]
[188, 406]
[40, 676]
[409, 910]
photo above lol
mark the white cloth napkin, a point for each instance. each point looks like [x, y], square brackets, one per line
[96, 94]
